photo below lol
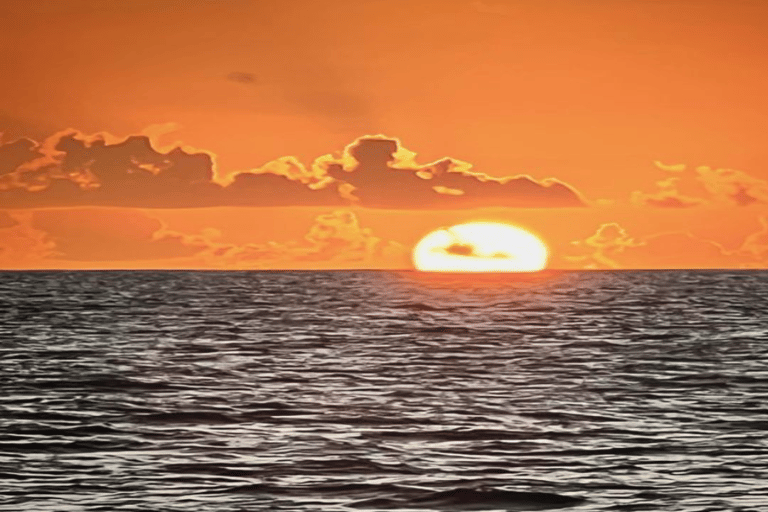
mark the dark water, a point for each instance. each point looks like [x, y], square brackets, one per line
[354, 391]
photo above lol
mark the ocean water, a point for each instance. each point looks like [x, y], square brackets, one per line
[355, 391]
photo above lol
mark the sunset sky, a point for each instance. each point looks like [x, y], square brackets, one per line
[322, 134]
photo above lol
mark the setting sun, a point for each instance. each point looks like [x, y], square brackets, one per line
[480, 247]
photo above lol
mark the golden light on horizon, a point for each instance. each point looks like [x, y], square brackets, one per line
[480, 247]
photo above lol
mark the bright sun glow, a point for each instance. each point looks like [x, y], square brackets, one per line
[480, 247]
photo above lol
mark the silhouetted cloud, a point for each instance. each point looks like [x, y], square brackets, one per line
[384, 175]
[461, 250]
[73, 169]
[14, 154]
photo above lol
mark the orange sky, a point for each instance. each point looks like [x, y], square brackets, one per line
[335, 134]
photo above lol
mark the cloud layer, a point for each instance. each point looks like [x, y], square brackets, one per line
[110, 235]
[73, 169]
[335, 237]
[70, 237]
[385, 175]
[711, 186]
[612, 247]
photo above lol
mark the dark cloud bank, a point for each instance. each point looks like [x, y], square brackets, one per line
[72, 169]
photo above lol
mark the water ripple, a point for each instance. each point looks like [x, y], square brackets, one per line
[350, 391]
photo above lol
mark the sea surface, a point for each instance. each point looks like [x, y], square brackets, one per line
[360, 391]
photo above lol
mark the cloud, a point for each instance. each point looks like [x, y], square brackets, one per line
[756, 244]
[334, 237]
[667, 197]
[129, 237]
[14, 154]
[461, 250]
[74, 169]
[110, 235]
[21, 245]
[604, 248]
[612, 247]
[670, 168]
[725, 186]
[384, 175]
[735, 186]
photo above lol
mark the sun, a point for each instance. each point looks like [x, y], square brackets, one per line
[480, 247]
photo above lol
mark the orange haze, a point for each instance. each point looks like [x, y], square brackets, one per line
[321, 134]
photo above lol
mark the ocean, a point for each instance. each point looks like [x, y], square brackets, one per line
[373, 390]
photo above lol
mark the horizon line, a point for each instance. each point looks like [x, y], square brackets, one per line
[410, 270]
